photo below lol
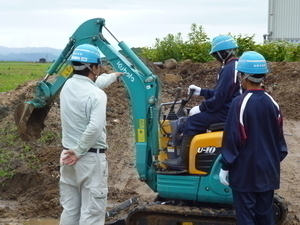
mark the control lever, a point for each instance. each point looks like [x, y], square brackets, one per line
[172, 115]
[184, 102]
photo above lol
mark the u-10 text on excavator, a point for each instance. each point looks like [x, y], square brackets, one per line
[191, 198]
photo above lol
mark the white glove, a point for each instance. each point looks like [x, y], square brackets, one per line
[194, 110]
[196, 88]
[224, 177]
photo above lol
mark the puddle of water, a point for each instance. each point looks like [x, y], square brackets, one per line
[42, 222]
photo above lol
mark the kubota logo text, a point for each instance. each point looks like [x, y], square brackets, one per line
[207, 150]
[124, 70]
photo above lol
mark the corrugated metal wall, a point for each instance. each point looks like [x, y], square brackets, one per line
[284, 20]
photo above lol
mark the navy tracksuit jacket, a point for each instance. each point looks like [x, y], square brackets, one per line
[215, 107]
[253, 143]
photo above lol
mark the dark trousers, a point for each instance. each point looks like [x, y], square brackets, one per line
[199, 123]
[254, 208]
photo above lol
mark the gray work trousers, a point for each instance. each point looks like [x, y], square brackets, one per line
[83, 190]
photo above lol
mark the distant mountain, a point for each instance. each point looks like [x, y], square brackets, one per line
[31, 54]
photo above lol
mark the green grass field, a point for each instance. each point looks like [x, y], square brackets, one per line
[14, 73]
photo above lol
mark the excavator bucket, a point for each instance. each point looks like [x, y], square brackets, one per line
[30, 120]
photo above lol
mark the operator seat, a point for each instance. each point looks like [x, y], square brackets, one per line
[216, 127]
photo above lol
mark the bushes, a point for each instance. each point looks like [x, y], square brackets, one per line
[273, 51]
[245, 43]
[293, 53]
[197, 48]
[173, 46]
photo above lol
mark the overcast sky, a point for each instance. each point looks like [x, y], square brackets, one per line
[50, 23]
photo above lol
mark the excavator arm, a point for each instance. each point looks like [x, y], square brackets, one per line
[141, 84]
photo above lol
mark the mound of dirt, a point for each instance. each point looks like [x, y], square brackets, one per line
[32, 192]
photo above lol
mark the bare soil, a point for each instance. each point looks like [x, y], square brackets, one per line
[33, 190]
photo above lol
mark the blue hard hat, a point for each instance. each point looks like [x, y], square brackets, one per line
[223, 42]
[252, 62]
[86, 53]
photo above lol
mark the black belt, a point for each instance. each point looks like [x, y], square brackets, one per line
[95, 150]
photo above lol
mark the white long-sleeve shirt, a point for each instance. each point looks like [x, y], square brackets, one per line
[83, 112]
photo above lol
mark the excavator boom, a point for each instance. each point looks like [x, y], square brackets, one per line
[141, 84]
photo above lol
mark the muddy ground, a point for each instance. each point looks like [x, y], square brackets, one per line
[32, 192]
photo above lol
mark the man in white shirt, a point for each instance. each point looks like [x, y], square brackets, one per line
[84, 169]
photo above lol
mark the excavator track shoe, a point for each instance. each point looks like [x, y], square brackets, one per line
[180, 215]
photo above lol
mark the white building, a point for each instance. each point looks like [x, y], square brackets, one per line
[284, 21]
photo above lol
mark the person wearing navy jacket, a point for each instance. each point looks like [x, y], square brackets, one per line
[253, 145]
[215, 107]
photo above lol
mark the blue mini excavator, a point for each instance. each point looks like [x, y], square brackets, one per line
[190, 198]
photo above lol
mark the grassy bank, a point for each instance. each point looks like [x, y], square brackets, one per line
[14, 73]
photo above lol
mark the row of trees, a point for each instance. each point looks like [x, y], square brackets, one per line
[197, 48]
